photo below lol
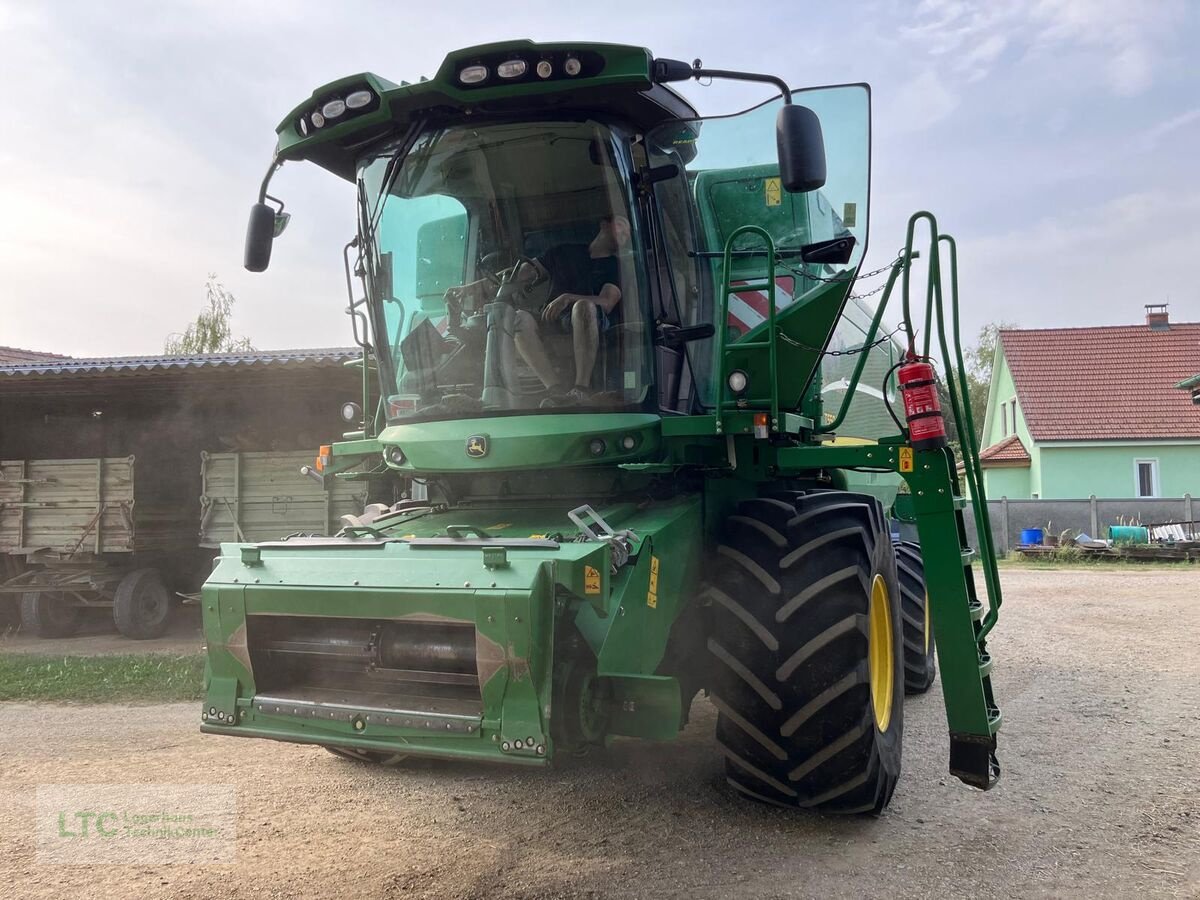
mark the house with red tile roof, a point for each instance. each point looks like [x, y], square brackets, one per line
[11, 356]
[1074, 412]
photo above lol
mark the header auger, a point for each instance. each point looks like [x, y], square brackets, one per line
[596, 330]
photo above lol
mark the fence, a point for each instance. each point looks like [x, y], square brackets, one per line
[1092, 516]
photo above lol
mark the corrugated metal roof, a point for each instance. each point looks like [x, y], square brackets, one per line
[67, 366]
[1104, 383]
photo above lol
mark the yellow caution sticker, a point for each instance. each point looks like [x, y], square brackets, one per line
[537, 537]
[499, 526]
[773, 191]
[906, 459]
[652, 591]
[591, 580]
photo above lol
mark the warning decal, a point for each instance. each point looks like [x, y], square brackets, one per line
[773, 190]
[591, 580]
[906, 459]
[652, 592]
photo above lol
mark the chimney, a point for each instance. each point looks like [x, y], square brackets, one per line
[1157, 317]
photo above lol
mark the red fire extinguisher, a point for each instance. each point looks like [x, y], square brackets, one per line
[922, 409]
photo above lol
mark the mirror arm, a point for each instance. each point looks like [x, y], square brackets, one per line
[745, 76]
[263, 196]
[665, 70]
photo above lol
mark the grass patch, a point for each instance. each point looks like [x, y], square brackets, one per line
[143, 678]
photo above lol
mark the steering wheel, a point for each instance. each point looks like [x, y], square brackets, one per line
[490, 265]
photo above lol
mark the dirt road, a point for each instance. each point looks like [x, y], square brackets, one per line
[1098, 674]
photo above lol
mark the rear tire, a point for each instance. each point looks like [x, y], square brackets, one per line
[920, 666]
[142, 605]
[49, 614]
[807, 652]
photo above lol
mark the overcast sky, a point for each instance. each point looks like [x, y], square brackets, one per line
[1058, 139]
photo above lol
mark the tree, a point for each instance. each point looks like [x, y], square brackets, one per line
[212, 331]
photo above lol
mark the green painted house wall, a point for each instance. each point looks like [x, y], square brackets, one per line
[1006, 482]
[1107, 470]
[1064, 470]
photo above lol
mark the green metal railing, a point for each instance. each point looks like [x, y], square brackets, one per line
[767, 343]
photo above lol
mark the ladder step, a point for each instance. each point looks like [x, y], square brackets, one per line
[985, 664]
[995, 718]
[961, 502]
[753, 286]
[977, 610]
[969, 555]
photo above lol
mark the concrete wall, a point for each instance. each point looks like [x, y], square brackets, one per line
[1091, 516]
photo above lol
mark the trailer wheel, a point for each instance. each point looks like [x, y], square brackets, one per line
[375, 757]
[142, 605]
[10, 614]
[806, 644]
[49, 614]
[920, 666]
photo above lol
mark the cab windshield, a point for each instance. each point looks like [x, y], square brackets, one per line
[503, 264]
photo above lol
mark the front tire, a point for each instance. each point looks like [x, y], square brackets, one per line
[920, 666]
[807, 652]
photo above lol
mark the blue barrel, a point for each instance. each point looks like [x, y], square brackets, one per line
[1032, 536]
[1129, 534]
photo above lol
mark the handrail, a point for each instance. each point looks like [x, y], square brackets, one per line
[971, 455]
[957, 388]
[770, 343]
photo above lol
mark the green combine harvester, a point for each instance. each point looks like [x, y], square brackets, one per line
[593, 328]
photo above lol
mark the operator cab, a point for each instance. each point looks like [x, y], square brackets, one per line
[480, 229]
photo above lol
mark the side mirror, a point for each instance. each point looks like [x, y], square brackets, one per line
[801, 149]
[260, 232]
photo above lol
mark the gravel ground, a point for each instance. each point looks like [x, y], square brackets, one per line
[1097, 673]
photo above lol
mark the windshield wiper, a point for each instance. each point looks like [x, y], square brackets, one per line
[837, 251]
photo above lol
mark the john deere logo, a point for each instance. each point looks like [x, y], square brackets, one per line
[477, 446]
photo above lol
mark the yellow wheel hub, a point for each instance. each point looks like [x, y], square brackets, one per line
[879, 652]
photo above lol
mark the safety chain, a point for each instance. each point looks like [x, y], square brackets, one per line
[856, 350]
[871, 274]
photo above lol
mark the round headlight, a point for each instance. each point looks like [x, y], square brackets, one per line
[473, 74]
[303, 126]
[317, 119]
[597, 447]
[333, 109]
[359, 99]
[737, 381]
[351, 411]
[395, 456]
[628, 442]
[514, 68]
[572, 66]
[545, 69]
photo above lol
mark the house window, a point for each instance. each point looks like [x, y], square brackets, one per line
[1145, 477]
[1004, 419]
[1013, 404]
